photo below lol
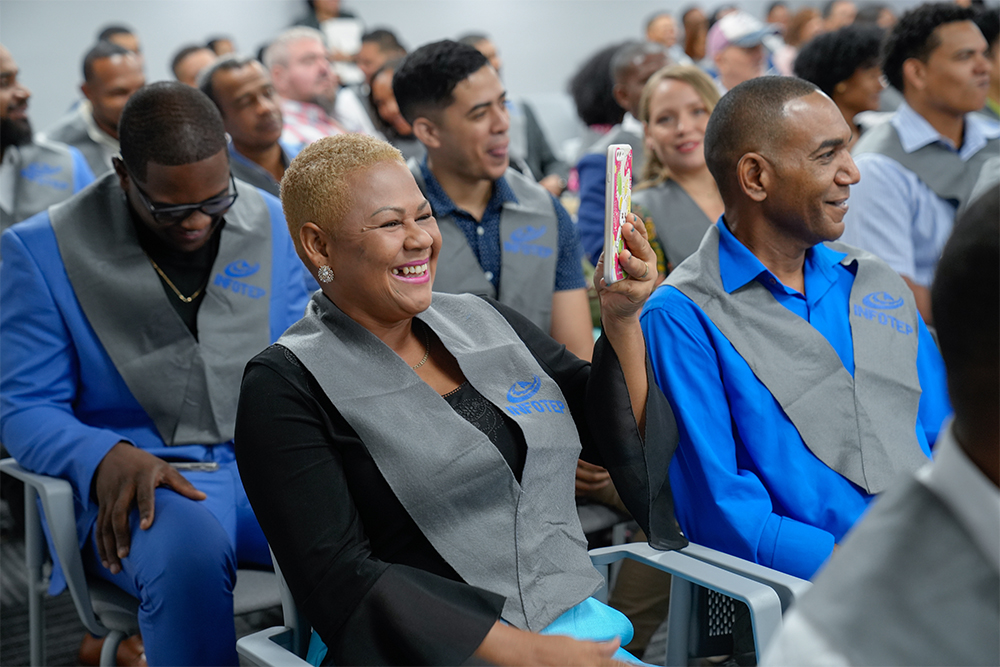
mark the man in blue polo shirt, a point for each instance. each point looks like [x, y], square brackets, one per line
[503, 235]
[802, 377]
[919, 169]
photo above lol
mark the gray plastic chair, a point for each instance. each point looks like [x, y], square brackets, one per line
[766, 592]
[104, 609]
[751, 583]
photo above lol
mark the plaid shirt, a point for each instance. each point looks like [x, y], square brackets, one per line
[305, 123]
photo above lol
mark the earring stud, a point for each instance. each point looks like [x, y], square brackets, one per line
[325, 274]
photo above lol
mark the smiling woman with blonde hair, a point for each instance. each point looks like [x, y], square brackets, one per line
[411, 455]
[676, 191]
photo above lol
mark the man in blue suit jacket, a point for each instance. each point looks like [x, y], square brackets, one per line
[129, 313]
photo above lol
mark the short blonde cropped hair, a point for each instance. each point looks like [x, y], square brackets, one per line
[315, 186]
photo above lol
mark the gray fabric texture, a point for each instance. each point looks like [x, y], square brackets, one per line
[862, 427]
[45, 177]
[680, 223]
[619, 135]
[909, 586]
[940, 168]
[188, 387]
[529, 250]
[72, 130]
[522, 541]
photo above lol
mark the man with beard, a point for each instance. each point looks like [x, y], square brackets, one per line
[33, 174]
[312, 103]
[111, 74]
[251, 114]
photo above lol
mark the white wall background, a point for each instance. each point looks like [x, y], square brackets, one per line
[541, 41]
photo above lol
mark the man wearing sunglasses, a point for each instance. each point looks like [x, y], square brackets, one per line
[129, 313]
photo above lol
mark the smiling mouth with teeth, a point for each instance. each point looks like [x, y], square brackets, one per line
[418, 270]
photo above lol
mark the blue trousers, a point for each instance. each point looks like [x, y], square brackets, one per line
[183, 568]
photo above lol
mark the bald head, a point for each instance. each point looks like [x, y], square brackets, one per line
[749, 118]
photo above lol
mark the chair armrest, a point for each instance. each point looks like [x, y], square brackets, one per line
[762, 600]
[57, 503]
[787, 587]
[269, 647]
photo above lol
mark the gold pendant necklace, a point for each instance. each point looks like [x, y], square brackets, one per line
[170, 283]
[427, 352]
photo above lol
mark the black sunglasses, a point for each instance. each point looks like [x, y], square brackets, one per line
[173, 214]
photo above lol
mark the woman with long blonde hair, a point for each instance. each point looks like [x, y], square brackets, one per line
[676, 190]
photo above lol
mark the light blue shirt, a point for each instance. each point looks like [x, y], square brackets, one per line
[893, 213]
[744, 482]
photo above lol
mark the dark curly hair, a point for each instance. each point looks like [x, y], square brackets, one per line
[988, 21]
[426, 80]
[592, 89]
[835, 56]
[915, 37]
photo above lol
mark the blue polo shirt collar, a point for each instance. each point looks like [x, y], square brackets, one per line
[915, 132]
[738, 266]
[441, 203]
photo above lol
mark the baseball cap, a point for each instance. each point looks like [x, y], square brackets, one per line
[739, 29]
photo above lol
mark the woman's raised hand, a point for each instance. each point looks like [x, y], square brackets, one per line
[624, 299]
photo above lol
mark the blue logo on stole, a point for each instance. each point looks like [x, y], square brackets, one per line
[876, 302]
[520, 394]
[521, 241]
[239, 269]
[44, 174]
[882, 301]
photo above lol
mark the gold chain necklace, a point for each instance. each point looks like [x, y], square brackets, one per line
[170, 283]
[427, 352]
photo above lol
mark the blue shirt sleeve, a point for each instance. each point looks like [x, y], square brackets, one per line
[720, 500]
[289, 278]
[590, 218]
[569, 268]
[935, 405]
[82, 175]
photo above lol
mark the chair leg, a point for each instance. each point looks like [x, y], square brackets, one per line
[679, 621]
[33, 557]
[109, 652]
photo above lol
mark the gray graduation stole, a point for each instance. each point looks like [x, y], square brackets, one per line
[522, 541]
[862, 427]
[909, 587]
[619, 135]
[188, 387]
[44, 178]
[938, 167]
[680, 223]
[73, 131]
[529, 250]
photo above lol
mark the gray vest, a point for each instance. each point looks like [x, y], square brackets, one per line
[529, 250]
[44, 178]
[938, 167]
[862, 427]
[680, 223]
[188, 387]
[619, 135]
[72, 130]
[522, 541]
[909, 587]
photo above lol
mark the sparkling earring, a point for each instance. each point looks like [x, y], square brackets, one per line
[325, 274]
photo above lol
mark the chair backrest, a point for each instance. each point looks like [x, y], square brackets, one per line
[293, 618]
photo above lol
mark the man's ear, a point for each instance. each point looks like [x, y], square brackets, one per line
[315, 246]
[618, 90]
[123, 177]
[915, 74]
[427, 132]
[87, 91]
[754, 175]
